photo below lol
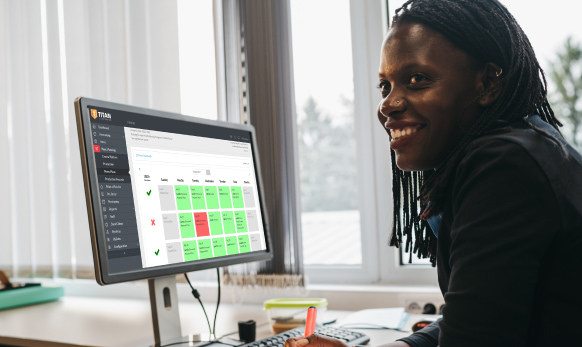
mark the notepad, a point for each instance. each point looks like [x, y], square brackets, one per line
[378, 318]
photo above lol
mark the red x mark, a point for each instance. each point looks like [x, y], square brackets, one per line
[153, 222]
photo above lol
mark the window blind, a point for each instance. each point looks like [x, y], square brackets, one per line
[53, 52]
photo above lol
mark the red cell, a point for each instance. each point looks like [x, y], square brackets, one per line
[201, 220]
[96, 148]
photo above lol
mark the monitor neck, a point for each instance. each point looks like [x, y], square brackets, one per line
[165, 312]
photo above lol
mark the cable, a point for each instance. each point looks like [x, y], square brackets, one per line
[197, 296]
[217, 302]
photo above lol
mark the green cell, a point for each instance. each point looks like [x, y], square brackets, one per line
[237, 198]
[215, 223]
[243, 243]
[218, 247]
[224, 195]
[190, 250]
[228, 222]
[211, 197]
[182, 198]
[186, 225]
[205, 249]
[231, 245]
[197, 196]
[240, 218]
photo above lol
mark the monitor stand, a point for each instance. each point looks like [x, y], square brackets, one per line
[166, 315]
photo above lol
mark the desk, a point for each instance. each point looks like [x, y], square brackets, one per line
[83, 321]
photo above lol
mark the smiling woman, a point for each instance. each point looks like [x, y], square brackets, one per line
[478, 156]
[450, 83]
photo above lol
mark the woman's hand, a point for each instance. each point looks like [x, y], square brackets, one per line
[314, 341]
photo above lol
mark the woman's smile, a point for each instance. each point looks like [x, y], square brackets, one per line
[402, 133]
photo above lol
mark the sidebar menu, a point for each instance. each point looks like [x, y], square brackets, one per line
[116, 197]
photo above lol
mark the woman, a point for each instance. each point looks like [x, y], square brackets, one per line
[472, 134]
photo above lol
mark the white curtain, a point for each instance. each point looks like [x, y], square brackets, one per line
[52, 51]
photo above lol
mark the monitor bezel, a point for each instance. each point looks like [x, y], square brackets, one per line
[96, 226]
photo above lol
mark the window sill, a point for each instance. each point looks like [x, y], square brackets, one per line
[339, 296]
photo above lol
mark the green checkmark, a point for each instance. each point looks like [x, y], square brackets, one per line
[156, 252]
[148, 193]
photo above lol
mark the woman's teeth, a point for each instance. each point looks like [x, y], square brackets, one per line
[398, 133]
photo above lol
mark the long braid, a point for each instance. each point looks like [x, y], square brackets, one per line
[487, 32]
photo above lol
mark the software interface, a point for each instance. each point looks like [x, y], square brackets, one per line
[173, 191]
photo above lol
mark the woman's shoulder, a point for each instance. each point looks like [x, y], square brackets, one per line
[528, 140]
[529, 153]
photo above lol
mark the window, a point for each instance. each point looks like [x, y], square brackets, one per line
[343, 151]
[322, 48]
[197, 59]
[548, 41]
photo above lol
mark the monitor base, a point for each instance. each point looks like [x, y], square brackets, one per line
[188, 340]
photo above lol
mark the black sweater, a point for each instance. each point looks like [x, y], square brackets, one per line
[510, 244]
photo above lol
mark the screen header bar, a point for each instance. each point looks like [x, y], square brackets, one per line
[105, 116]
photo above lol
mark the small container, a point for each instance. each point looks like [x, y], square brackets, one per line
[286, 314]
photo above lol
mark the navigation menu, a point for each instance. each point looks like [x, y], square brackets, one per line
[117, 204]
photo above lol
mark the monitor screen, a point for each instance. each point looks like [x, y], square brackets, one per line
[168, 193]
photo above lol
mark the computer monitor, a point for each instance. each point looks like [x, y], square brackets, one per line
[168, 194]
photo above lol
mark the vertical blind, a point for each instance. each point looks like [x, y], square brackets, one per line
[52, 52]
[154, 53]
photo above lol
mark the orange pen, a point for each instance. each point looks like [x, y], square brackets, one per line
[310, 322]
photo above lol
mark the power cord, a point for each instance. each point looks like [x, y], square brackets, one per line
[197, 296]
[217, 302]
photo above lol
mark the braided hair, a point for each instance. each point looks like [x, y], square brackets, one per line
[487, 32]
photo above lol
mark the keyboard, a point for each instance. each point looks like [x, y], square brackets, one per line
[349, 337]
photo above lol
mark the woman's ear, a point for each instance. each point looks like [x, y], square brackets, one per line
[491, 76]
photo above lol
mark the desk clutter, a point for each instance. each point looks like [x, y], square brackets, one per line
[299, 317]
[351, 338]
[21, 294]
[290, 313]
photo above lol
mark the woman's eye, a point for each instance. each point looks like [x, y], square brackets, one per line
[384, 88]
[417, 79]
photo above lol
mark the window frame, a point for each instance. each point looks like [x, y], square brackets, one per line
[380, 263]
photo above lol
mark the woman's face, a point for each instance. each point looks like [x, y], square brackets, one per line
[428, 86]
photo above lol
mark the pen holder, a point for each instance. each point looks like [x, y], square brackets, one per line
[287, 314]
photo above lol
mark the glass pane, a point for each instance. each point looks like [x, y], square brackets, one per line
[324, 93]
[197, 73]
[197, 59]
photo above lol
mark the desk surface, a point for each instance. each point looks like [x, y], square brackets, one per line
[83, 321]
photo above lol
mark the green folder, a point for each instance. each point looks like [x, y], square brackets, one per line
[28, 295]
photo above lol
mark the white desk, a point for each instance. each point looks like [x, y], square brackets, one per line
[82, 321]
